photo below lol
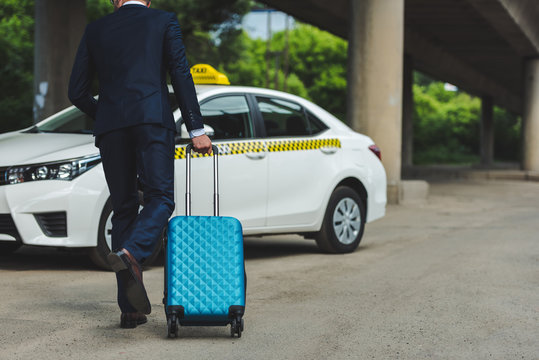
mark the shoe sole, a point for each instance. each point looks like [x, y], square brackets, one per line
[134, 290]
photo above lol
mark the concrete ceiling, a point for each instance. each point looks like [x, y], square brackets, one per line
[478, 45]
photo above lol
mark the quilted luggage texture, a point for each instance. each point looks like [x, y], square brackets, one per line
[205, 269]
[204, 266]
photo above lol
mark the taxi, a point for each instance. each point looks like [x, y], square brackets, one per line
[286, 166]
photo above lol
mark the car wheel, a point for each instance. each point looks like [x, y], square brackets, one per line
[344, 222]
[104, 241]
[7, 247]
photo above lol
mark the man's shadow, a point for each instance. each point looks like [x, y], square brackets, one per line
[267, 247]
[255, 248]
[45, 258]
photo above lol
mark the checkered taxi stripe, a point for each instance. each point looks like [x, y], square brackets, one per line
[269, 146]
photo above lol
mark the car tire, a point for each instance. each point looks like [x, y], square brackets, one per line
[99, 254]
[344, 222]
[7, 247]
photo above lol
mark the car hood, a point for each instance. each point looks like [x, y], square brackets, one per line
[19, 148]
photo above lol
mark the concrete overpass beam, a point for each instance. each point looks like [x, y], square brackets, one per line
[58, 29]
[375, 75]
[442, 64]
[487, 131]
[530, 118]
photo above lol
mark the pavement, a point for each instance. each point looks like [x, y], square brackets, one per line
[456, 277]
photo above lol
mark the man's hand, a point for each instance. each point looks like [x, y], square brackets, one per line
[202, 144]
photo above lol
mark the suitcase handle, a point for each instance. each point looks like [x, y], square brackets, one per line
[215, 149]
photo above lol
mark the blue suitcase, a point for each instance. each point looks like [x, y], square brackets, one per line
[204, 266]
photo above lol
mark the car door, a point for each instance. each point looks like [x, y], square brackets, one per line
[242, 164]
[301, 163]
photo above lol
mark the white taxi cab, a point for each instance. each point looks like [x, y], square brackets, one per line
[286, 166]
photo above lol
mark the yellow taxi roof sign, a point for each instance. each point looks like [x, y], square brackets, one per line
[204, 74]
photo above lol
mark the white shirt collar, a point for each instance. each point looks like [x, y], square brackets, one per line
[133, 3]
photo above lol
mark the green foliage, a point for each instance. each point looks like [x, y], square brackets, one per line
[16, 57]
[319, 59]
[317, 64]
[446, 123]
[96, 9]
[241, 58]
[507, 135]
[447, 127]
[197, 19]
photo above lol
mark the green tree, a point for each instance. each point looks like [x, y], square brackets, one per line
[507, 135]
[317, 64]
[447, 126]
[197, 19]
[17, 59]
[319, 60]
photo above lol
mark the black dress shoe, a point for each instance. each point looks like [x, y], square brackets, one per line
[130, 272]
[131, 320]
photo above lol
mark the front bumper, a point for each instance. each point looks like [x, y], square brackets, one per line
[35, 210]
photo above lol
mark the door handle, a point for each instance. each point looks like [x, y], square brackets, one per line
[328, 150]
[256, 155]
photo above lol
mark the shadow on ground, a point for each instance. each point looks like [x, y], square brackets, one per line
[277, 246]
[43, 258]
[255, 248]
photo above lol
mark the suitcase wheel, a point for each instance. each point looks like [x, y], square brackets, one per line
[172, 322]
[236, 327]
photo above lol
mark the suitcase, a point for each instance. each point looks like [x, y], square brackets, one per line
[204, 266]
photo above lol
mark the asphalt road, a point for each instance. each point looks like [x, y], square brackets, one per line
[456, 278]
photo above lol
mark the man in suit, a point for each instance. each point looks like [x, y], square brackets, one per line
[131, 51]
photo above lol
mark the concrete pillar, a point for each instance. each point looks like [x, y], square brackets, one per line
[407, 112]
[59, 27]
[530, 129]
[375, 51]
[487, 131]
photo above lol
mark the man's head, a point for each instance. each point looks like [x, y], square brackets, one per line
[118, 3]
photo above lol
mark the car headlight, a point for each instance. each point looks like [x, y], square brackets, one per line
[60, 170]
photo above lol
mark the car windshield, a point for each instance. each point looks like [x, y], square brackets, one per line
[72, 121]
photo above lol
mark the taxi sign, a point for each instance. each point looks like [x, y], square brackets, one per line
[204, 74]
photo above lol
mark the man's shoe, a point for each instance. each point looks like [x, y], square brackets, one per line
[130, 273]
[131, 320]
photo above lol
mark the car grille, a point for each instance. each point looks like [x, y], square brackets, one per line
[3, 173]
[7, 226]
[53, 224]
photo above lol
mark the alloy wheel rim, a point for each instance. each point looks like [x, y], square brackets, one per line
[108, 231]
[346, 221]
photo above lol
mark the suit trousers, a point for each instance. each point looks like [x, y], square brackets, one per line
[143, 153]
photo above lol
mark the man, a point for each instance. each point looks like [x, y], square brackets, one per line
[130, 51]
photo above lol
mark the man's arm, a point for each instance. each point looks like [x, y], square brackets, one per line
[183, 85]
[80, 81]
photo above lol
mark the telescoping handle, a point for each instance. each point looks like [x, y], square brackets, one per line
[188, 150]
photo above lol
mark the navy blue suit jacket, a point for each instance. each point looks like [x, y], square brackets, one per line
[131, 51]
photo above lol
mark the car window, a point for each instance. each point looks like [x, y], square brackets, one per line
[316, 125]
[72, 121]
[228, 116]
[283, 118]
